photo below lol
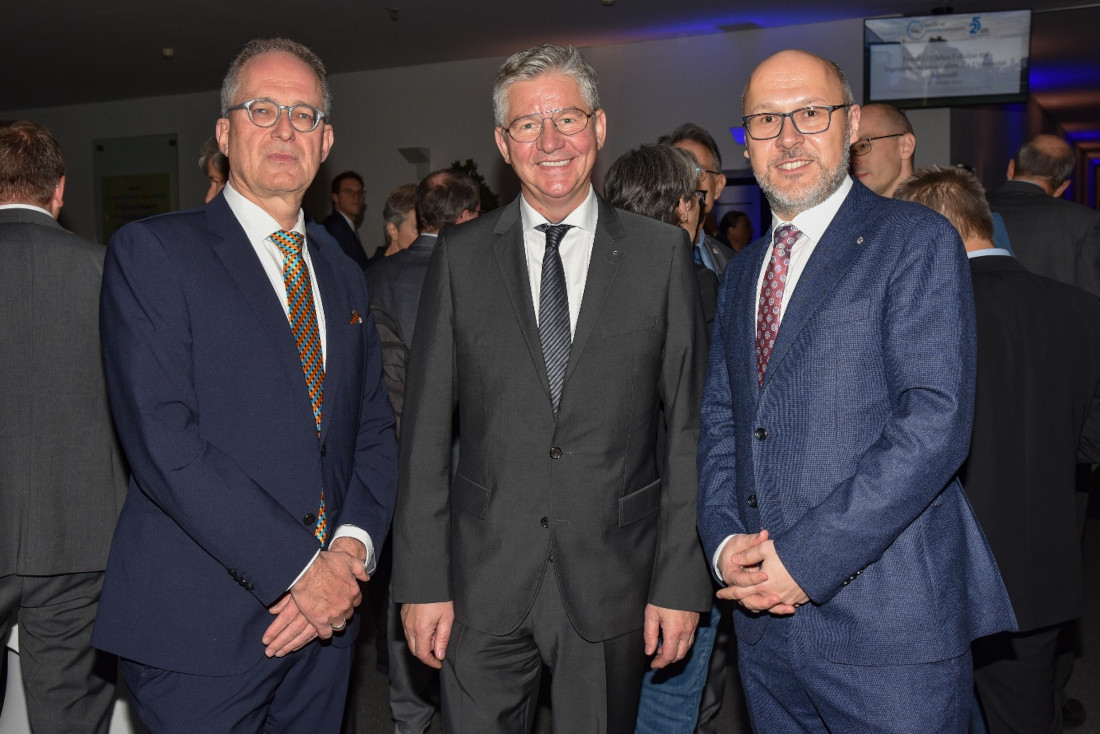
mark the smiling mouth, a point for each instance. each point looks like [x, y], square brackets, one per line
[554, 164]
[792, 165]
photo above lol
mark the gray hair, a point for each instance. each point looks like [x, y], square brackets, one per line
[651, 180]
[232, 82]
[544, 59]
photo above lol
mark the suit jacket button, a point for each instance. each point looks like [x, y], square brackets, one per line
[544, 522]
[324, 449]
[760, 434]
[309, 519]
[555, 453]
[751, 501]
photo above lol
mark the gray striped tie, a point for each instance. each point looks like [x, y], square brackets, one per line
[554, 312]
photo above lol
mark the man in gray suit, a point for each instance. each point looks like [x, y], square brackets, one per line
[562, 330]
[62, 479]
[1050, 236]
[697, 141]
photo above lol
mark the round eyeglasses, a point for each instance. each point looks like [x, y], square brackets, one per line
[863, 145]
[567, 121]
[265, 112]
[806, 120]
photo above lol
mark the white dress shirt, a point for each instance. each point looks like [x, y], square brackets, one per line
[575, 250]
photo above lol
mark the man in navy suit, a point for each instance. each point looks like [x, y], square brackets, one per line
[347, 215]
[837, 409]
[244, 375]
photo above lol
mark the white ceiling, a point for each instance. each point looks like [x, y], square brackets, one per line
[73, 51]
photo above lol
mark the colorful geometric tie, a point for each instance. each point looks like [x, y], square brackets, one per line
[554, 334]
[771, 296]
[303, 324]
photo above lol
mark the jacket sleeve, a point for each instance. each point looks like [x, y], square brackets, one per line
[421, 529]
[680, 578]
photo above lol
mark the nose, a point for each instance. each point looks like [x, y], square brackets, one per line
[282, 127]
[551, 139]
[788, 134]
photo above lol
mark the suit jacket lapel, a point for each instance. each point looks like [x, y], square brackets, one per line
[746, 303]
[512, 261]
[601, 274]
[831, 259]
[239, 259]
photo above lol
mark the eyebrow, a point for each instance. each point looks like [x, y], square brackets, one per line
[805, 102]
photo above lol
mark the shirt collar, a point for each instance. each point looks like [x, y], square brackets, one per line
[258, 225]
[32, 207]
[814, 221]
[583, 217]
[987, 251]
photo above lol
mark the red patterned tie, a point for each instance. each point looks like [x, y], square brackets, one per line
[771, 296]
[303, 323]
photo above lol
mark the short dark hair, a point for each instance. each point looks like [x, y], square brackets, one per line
[31, 164]
[729, 219]
[1045, 157]
[691, 131]
[955, 193]
[544, 59]
[209, 154]
[440, 203]
[260, 46]
[399, 204]
[651, 180]
[341, 177]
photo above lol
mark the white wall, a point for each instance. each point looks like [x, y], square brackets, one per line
[647, 89]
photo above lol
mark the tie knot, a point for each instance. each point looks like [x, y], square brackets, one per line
[786, 236]
[289, 242]
[554, 233]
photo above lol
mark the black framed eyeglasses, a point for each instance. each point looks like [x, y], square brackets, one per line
[567, 121]
[806, 120]
[265, 112]
[702, 194]
[863, 145]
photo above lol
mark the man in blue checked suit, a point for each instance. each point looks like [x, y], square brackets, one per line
[245, 377]
[837, 410]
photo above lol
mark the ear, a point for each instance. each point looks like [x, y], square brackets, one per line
[58, 199]
[502, 144]
[391, 230]
[465, 216]
[599, 119]
[683, 210]
[221, 132]
[327, 140]
[853, 115]
[1057, 192]
[720, 179]
[908, 144]
[1011, 170]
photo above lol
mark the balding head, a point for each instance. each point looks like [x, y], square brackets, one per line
[798, 170]
[883, 156]
[1046, 160]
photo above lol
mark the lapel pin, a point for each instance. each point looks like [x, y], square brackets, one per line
[859, 240]
[355, 317]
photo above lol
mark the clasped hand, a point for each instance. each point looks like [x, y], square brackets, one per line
[325, 596]
[756, 578]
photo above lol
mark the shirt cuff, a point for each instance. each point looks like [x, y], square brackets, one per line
[718, 554]
[346, 531]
